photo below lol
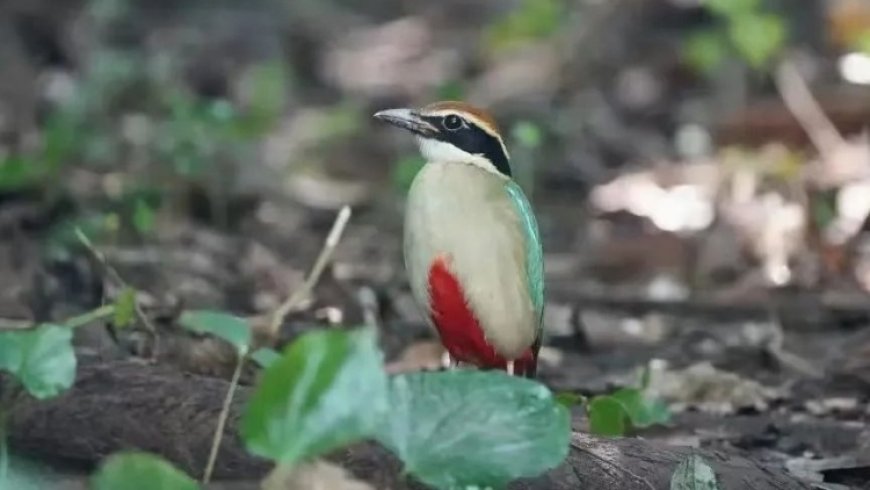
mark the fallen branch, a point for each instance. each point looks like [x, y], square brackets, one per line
[124, 404]
[806, 109]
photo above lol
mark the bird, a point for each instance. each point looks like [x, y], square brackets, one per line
[471, 244]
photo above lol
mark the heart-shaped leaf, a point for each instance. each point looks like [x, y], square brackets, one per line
[231, 328]
[758, 37]
[140, 471]
[569, 399]
[705, 50]
[42, 359]
[606, 416]
[527, 134]
[265, 356]
[143, 216]
[125, 308]
[641, 411]
[469, 428]
[328, 389]
[731, 8]
[693, 473]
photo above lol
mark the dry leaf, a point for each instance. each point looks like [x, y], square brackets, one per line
[419, 356]
[709, 389]
[317, 475]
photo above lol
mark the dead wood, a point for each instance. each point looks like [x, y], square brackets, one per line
[124, 405]
[805, 310]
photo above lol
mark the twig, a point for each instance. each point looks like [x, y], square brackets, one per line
[316, 271]
[320, 264]
[88, 317]
[116, 278]
[7, 325]
[368, 300]
[222, 419]
[776, 347]
[800, 101]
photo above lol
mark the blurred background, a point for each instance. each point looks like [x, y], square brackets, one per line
[700, 169]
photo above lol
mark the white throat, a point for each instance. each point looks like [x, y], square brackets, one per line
[440, 152]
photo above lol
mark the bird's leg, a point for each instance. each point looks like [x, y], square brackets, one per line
[447, 362]
[510, 368]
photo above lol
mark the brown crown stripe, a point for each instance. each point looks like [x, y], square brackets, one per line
[481, 115]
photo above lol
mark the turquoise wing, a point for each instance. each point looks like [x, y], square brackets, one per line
[534, 250]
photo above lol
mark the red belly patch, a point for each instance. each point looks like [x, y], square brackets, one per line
[459, 328]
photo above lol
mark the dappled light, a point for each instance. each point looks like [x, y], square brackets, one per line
[500, 244]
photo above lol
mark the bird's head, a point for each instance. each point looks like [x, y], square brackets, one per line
[454, 132]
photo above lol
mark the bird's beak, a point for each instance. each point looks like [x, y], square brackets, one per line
[407, 119]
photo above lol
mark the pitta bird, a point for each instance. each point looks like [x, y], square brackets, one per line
[471, 244]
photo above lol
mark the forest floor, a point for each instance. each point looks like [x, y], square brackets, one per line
[778, 374]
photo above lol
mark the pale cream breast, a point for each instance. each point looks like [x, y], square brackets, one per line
[463, 211]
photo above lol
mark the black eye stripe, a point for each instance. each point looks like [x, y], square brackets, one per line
[471, 138]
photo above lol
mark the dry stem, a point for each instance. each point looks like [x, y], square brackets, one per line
[222, 419]
[292, 302]
[320, 264]
[116, 278]
[806, 109]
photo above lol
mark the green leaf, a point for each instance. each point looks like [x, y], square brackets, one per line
[405, 171]
[533, 20]
[450, 90]
[645, 375]
[140, 471]
[42, 359]
[606, 416]
[340, 121]
[265, 356]
[67, 235]
[61, 138]
[862, 42]
[219, 112]
[19, 171]
[758, 37]
[143, 217]
[569, 399]
[328, 389]
[125, 308]
[268, 97]
[231, 328]
[693, 473]
[461, 428]
[823, 211]
[732, 8]
[527, 134]
[82, 237]
[642, 412]
[704, 51]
